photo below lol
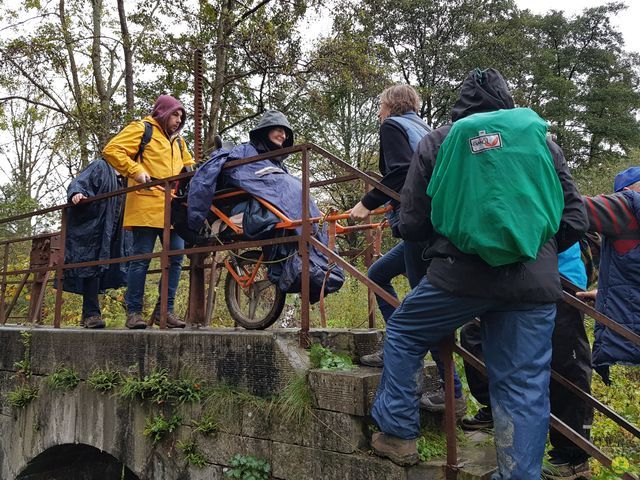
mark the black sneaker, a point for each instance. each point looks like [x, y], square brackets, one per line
[483, 420]
[558, 469]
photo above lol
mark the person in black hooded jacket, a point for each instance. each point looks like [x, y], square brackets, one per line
[272, 133]
[516, 303]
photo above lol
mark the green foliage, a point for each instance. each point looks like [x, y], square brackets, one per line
[433, 444]
[325, 359]
[104, 379]
[63, 378]
[223, 400]
[159, 388]
[247, 467]
[192, 455]
[294, 403]
[21, 396]
[206, 426]
[619, 466]
[24, 366]
[157, 427]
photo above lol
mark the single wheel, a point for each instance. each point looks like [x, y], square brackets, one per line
[258, 305]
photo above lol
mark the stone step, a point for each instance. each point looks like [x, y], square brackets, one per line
[353, 391]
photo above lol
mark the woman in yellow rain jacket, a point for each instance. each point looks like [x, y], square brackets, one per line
[164, 156]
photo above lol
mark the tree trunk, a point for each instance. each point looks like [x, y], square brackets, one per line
[221, 50]
[128, 58]
[80, 122]
[96, 62]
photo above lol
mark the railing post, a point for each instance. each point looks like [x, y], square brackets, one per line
[3, 288]
[446, 354]
[164, 258]
[368, 260]
[60, 270]
[196, 290]
[303, 250]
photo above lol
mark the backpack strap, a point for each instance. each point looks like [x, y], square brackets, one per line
[146, 138]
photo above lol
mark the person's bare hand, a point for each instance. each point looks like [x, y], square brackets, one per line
[359, 213]
[587, 296]
[77, 197]
[142, 177]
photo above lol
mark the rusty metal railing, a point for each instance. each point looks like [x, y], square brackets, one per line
[304, 240]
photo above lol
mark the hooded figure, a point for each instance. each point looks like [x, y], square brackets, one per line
[259, 136]
[616, 217]
[164, 107]
[164, 156]
[516, 305]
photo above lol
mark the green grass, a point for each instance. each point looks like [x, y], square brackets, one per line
[294, 403]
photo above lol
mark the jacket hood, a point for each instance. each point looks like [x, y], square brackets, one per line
[482, 91]
[270, 119]
[164, 107]
[625, 178]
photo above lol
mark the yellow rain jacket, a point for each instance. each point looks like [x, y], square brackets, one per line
[162, 158]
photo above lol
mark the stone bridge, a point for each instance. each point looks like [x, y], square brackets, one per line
[85, 432]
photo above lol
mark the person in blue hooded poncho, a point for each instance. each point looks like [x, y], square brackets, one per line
[616, 217]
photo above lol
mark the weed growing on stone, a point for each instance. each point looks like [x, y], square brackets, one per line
[157, 427]
[294, 403]
[433, 444]
[23, 366]
[21, 396]
[248, 467]
[223, 400]
[104, 380]
[159, 388]
[63, 378]
[206, 426]
[192, 455]
[325, 359]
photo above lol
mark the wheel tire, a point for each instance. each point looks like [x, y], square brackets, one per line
[236, 298]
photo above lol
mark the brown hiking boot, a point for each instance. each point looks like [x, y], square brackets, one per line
[135, 321]
[94, 321]
[173, 321]
[400, 451]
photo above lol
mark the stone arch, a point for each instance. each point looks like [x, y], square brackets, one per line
[75, 462]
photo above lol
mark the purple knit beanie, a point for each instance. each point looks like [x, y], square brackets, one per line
[164, 107]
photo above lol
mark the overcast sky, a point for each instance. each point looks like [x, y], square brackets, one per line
[627, 21]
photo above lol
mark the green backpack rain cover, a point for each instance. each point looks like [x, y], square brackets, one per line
[495, 192]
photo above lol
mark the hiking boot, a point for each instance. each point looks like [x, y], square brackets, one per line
[94, 321]
[558, 469]
[375, 359]
[400, 451]
[483, 420]
[135, 321]
[434, 402]
[173, 321]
